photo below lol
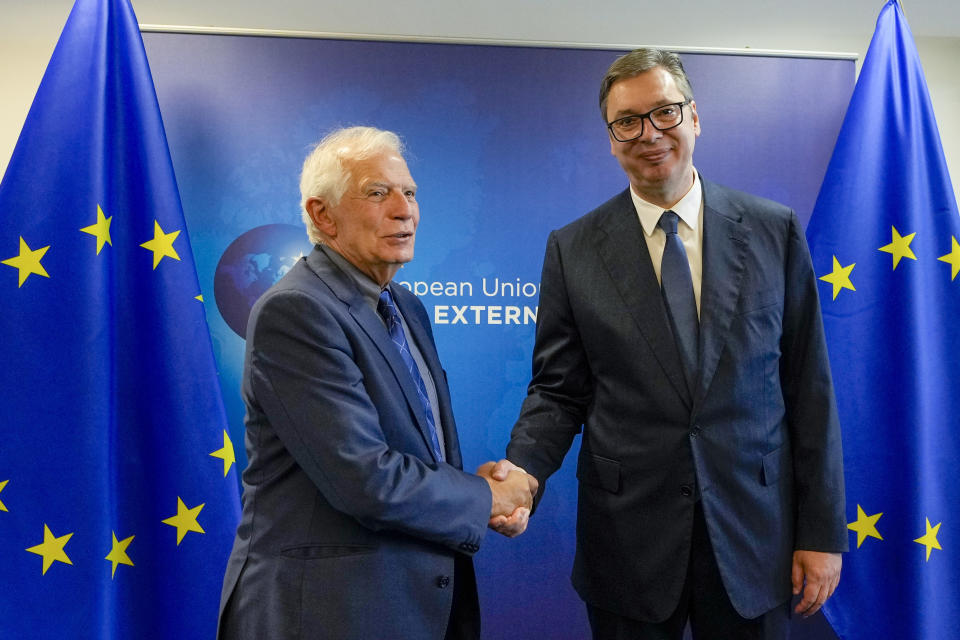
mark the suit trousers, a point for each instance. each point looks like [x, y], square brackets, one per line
[464, 621]
[703, 602]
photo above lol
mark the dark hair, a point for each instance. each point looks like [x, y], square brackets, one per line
[639, 61]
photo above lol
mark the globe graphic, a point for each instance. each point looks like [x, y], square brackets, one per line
[251, 265]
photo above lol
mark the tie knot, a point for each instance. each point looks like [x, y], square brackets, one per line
[386, 307]
[668, 222]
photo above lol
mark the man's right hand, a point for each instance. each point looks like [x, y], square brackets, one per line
[514, 490]
[501, 476]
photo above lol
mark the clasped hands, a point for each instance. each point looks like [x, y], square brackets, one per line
[513, 490]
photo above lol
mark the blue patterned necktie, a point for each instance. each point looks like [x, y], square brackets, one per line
[676, 285]
[388, 311]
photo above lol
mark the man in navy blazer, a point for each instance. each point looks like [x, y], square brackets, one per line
[710, 487]
[358, 521]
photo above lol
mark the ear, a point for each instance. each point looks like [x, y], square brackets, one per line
[696, 118]
[319, 211]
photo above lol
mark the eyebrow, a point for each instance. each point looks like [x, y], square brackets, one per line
[388, 185]
[637, 112]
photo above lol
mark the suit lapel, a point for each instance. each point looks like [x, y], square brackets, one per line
[623, 250]
[724, 252]
[369, 321]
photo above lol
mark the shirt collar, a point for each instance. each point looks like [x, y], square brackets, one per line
[688, 208]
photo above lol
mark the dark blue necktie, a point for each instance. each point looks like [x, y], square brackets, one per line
[388, 311]
[676, 285]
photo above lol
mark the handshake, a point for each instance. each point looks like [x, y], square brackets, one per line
[513, 490]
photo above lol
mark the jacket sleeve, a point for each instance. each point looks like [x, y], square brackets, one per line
[561, 387]
[811, 407]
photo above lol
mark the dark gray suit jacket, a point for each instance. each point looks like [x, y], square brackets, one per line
[350, 528]
[758, 441]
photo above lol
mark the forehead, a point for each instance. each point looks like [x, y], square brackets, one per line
[386, 167]
[642, 92]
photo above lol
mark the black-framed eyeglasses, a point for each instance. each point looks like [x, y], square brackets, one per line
[662, 118]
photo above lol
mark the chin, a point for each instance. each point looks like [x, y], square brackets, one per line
[656, 174]
[402, 259]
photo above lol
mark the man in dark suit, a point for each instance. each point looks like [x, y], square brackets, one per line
[679, 327]
[358, 522]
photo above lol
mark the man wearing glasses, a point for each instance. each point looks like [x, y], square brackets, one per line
[679, 328]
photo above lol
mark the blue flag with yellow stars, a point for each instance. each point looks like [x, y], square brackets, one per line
[118, 495]
[884, 238]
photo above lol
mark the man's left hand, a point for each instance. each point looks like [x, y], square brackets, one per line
[816, 574]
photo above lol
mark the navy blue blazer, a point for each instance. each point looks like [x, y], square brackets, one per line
[758, 441]
[350, 528]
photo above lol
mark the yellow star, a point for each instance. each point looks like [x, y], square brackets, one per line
[118, 553]
[199, 297]
[100, 229]
[28, 262]
[185, 520]
[865, 526]
[900, 247]
[3, 484]
[839, 277]
[929, 539]
[226, 454]
[953, 259]
[162, 244]
[51, 548]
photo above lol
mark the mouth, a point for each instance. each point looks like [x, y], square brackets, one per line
[658, 155]
[401, 235]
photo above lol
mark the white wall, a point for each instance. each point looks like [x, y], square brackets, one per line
[29, 30]
[940, 58]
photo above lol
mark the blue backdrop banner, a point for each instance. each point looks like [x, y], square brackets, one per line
[505, 143]
[117, 484]
[884, 237]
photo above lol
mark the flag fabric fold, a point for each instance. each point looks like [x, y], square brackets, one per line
[118, 493]
[884, 239]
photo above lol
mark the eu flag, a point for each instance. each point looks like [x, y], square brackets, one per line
[118, 496]
[884, 238]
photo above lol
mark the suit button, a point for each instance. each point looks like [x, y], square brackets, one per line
[695, 431]
[443, 582]
[686, 490]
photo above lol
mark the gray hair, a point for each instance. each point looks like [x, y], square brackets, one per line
[639, 61]
[326, 171]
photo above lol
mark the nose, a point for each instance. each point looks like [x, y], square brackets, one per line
[650, 133]
[402, 207]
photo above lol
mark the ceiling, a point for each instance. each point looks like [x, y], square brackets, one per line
[809, 25]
